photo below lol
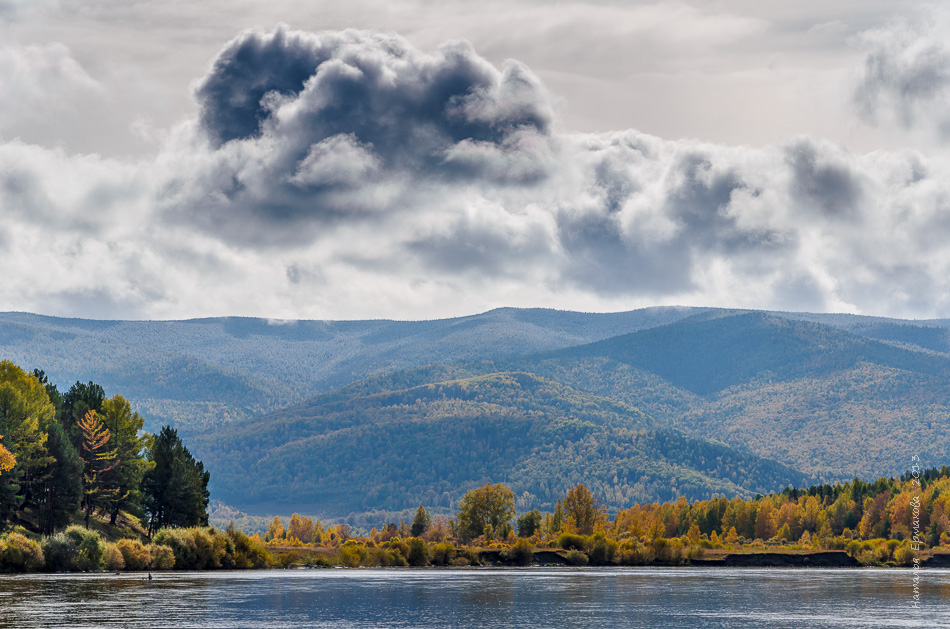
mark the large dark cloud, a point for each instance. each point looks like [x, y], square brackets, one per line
[352, 174]
[308, 128]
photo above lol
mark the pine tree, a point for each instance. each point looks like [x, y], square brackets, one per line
[125, 426]
[176, 488]
[25, 416]
[420, 524]
[61, 493]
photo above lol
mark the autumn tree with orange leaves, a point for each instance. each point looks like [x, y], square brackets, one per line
[98, 460]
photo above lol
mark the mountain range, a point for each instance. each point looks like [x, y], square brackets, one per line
[349, 417]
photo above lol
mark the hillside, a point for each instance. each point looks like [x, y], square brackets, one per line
[431, 443]
[820, 399]
[236, 367]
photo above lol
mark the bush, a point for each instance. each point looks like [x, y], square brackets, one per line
[603, 550]
[571, 541]
[904, 555]
[112, 558]
[418, 552]
[198, 548]
[135, 554]
[576, 558]
[18, 553]
[162, 557]
[522, 553]
[91, 549]
[443, 554]
[61, 553]
[247, 552]
[353, 555]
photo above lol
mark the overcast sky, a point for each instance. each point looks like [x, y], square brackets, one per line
[418, 159]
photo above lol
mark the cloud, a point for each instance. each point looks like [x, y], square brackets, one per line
[40, 84]
[351, 174]
[906, 73]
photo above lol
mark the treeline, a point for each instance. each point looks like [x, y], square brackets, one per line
[884, 522]
[81, 455]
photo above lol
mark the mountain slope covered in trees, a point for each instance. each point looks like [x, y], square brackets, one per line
[204, 372]
[431, 443]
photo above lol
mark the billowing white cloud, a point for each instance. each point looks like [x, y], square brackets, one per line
[351, 174]
[906, 73]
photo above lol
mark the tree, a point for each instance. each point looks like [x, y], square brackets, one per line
[61, 492]
[301, 529]
[486, 510]
[176, 488]
[275, 530]
[79, 400]
[529, 523]
[99, 458]
[52, 391]
[579, 504]
[7, 461]
[420, 523]
[125, 427]
[25, 416]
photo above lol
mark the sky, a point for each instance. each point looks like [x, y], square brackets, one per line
[412, 159]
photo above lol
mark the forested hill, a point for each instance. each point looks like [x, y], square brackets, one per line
[831, 396]
[431, 443]
[211, 371]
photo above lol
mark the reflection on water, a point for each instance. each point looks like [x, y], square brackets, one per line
[537, 597]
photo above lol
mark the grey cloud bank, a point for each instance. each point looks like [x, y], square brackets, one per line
[350, 174]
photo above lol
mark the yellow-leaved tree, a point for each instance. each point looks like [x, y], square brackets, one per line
[99, 459]
[6, 459]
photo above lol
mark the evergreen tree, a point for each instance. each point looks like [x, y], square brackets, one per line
[176, 488]
[529, 523]
[61, 493]
[420, 523]
[52, 391]
[25, 416]
[125, 426]
[79, 400]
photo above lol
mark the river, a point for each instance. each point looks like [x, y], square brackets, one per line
[481, 597]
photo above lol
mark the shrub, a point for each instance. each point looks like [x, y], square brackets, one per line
[135, 554]
[61, 553]
[571, 541]
[904, 555]
[182, 545]
[353, 555]
[443, 554]
[576, 558]
[247, 552]
[603, 550]
[112, 557]
[521, 553]
[418, 552]
[162, 557]
[91, 549]
[19, 553]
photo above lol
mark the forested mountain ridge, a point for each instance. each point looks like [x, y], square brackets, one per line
[831, 396]
[277, 363]
[429, 444]
[237, 367]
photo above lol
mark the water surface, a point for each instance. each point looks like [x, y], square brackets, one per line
[480, 597]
